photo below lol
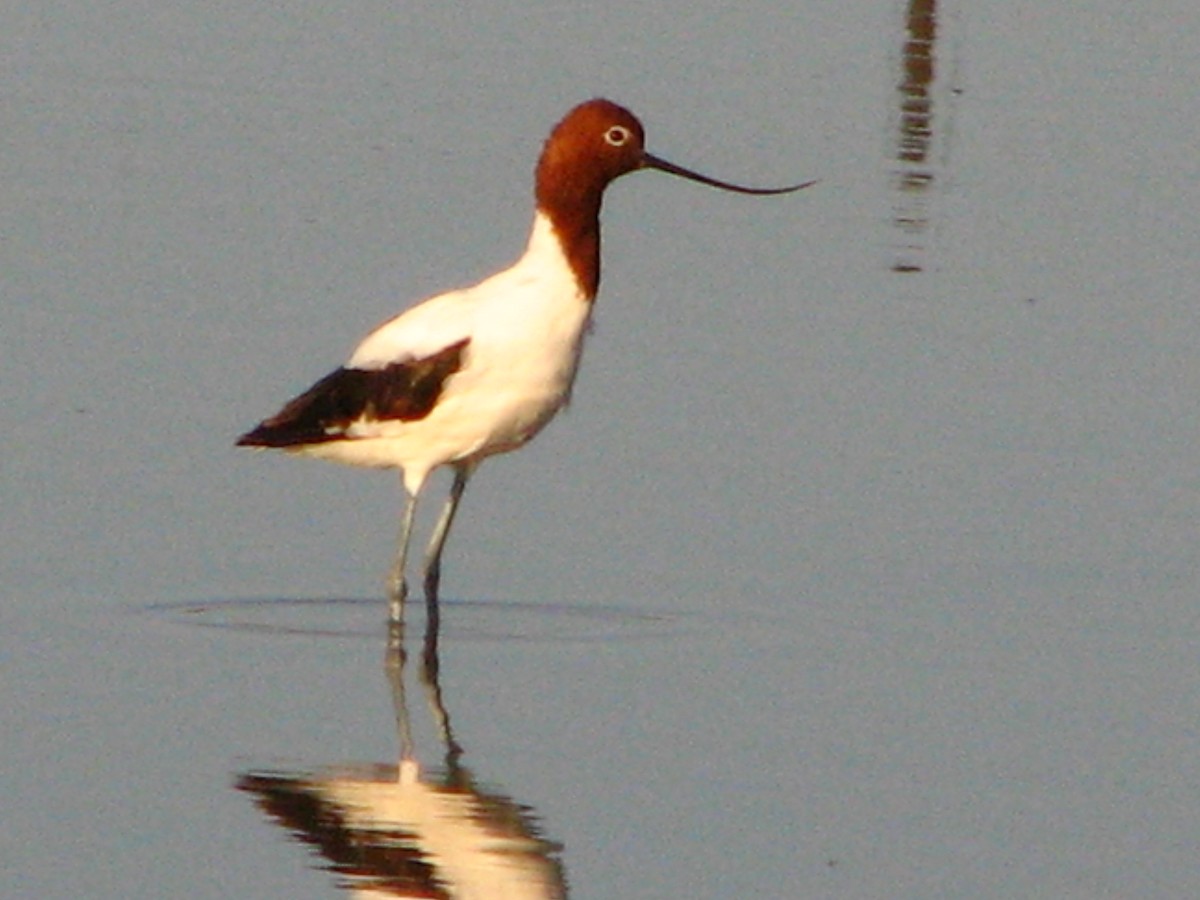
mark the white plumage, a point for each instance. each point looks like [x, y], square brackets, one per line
[525, 327]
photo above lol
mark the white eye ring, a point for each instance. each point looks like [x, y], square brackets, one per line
[618, 135]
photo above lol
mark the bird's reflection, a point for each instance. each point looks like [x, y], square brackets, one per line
[402, 831]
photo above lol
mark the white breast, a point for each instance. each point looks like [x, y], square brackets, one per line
[526, 327]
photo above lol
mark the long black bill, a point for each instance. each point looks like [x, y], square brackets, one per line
[653, 162]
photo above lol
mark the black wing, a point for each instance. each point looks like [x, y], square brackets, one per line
[402, 392]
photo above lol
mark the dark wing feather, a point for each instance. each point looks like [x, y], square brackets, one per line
[403, 392]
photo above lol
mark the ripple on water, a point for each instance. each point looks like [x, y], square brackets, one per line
[473, 620]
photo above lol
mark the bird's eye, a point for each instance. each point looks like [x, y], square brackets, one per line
[618, 135]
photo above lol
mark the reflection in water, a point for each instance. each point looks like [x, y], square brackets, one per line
[914, 175]
[395, 831]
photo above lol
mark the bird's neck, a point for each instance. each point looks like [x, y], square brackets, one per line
[576, 236]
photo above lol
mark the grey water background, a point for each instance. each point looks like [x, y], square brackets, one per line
[864, 563]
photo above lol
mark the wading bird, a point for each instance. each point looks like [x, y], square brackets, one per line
[479, 371]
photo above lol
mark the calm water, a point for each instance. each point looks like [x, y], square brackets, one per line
[863, 565]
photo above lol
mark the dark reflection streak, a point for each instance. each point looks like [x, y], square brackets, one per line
[916, 105]
[914, 176]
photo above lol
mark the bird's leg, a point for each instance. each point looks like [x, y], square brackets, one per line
[397, 588]
[433, 556]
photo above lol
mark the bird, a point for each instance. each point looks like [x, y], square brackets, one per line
[479, 371]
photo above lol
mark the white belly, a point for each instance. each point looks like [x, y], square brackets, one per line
[525, 328]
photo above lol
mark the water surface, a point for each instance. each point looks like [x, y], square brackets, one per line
[863, 564]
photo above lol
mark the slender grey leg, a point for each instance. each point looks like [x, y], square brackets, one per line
[397, 588]
[433, 556]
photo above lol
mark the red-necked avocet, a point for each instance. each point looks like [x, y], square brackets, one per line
[479, 371]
